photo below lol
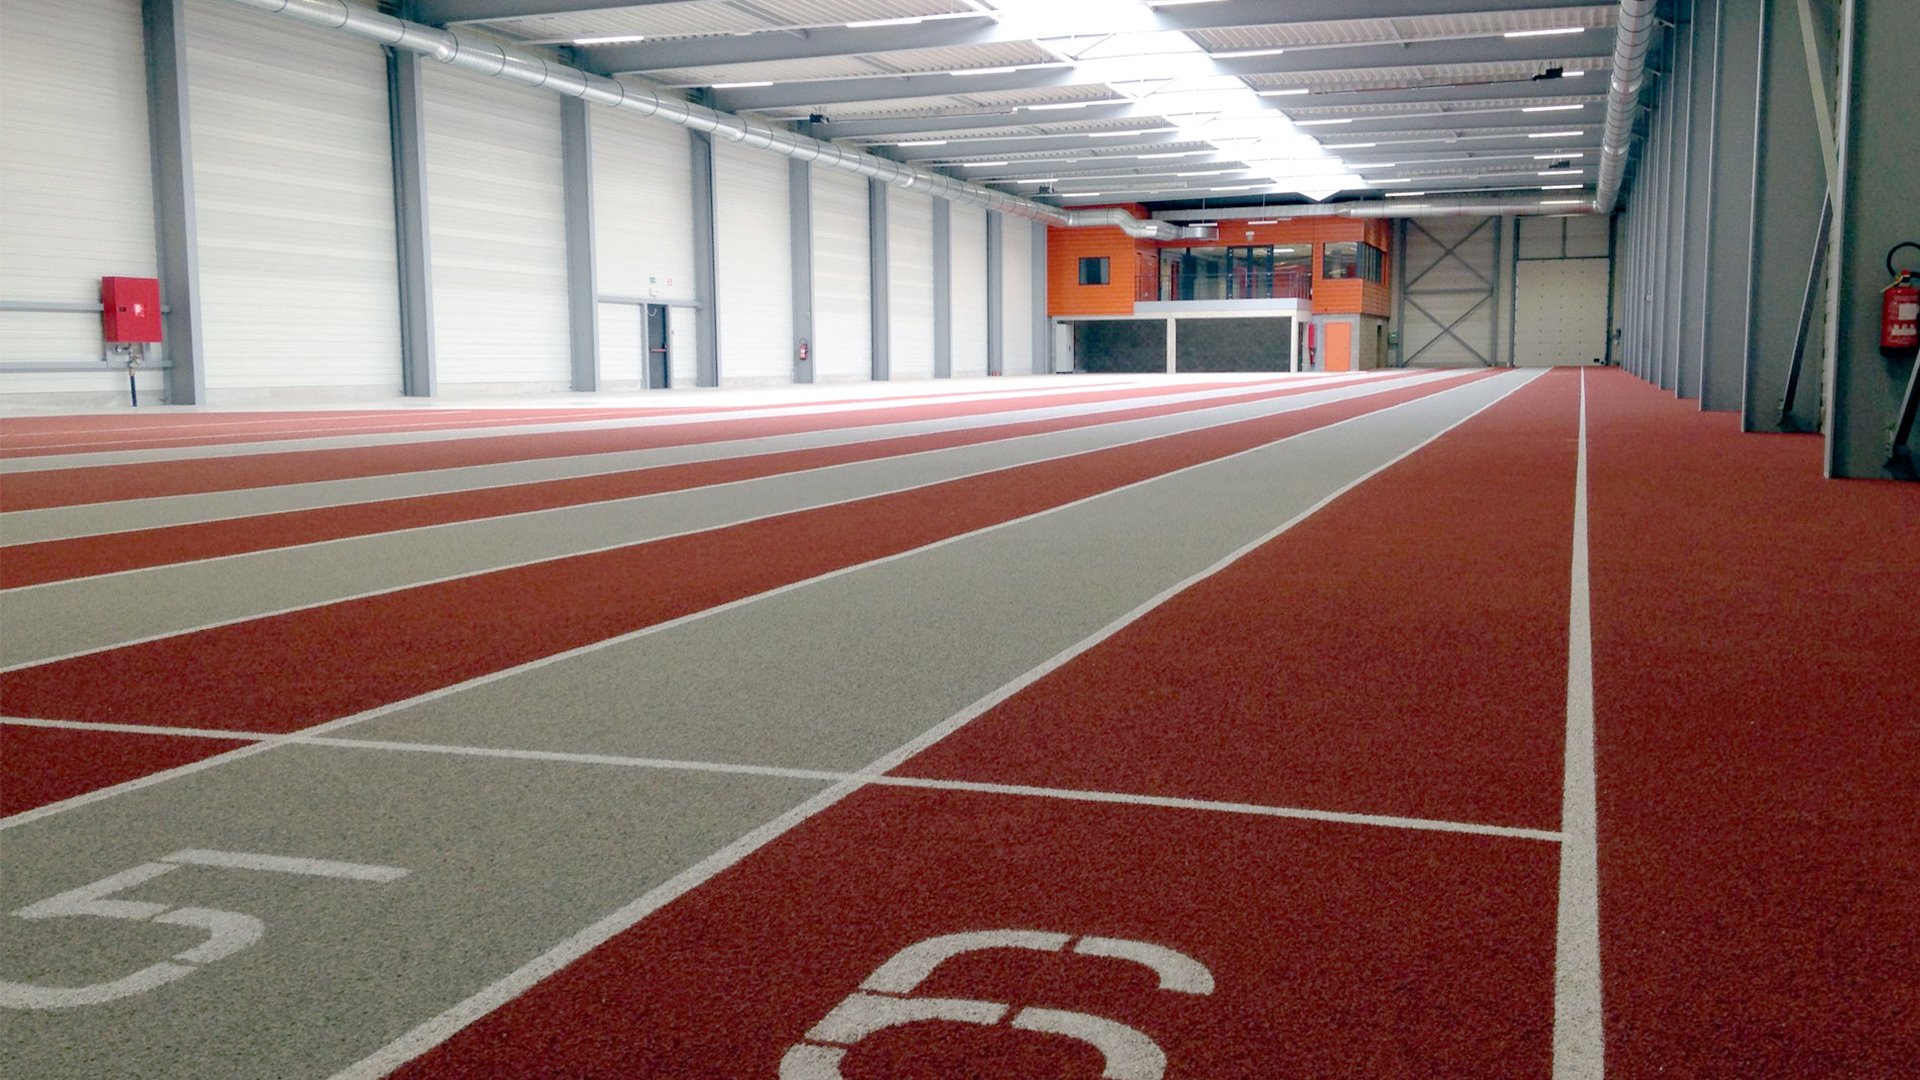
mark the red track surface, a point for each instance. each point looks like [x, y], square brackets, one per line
[1402, 651]
[60, 560]
[44, 765]
[1758, 711]
[1335, 950]
[142, 480]
[38, 436]
[287, 672]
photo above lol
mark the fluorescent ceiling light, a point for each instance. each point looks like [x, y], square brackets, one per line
[985, 71]
[1561, 187]
[1209, 172]
[1563, 172]
[922, 142]
[983, 164]
[1375, 165]
[1405, 194]
[1546, 33]
[1402, 180]
[1555, 134]
[1292, 91]
[1265, 221]
[1351, 145]
[1071, 105]
[1039, 180]
[1322, 123]
[908, 21]
[616, 39]
[1552, 108]
[1571, 74]
[1562, 202]
[1558, 156]
[1083, 195]
[738, 85]
[1238, 53]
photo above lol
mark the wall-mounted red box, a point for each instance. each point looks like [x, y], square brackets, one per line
[129, 309]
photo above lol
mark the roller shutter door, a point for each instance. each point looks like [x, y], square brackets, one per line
[1016, 311]
[76, 189]
[642, 207]
[1560, 314]
[498, 222]
[842, 294]
[969, 240]
[910, 284]
[293, 187]
[752, 252]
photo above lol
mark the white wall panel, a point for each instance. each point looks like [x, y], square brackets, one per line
[683, 345]
[752, 271]
[910, 284]
[76, 194]
[842, 279]
[497, 214]
[293, 187]
[968, 237]
[621, 346]
[1016, 310]
[642, 207]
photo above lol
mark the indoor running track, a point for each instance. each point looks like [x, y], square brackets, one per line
[1299, 727]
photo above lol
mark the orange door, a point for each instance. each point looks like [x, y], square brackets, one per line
[1339, 348]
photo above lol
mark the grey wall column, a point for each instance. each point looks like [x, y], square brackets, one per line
[996, 297]
[1789, 185]
[1679, 126]
[1878, 206]
[1729, 246]
[583, 281]
[1397, 294]
[707, 357]
[176, 230]
[1700, 176]
[1658, 175]
[800, 229]
[407, 124]
[942, 289]
[1042, 322]
[877, 278]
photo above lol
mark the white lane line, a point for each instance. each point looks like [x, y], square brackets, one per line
[572, 757]
[284, 864]
[1199, 409]
[1579, 1037]
[331, 726]
[386, 487]
[444, 1026]
[1291, 404]
[110, 458]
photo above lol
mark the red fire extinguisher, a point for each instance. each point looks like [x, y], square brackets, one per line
[1900, 308]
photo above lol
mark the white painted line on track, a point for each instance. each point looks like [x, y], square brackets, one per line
[1579, 1036]
[1200, 407]
[284, 864]
[330, 726]
[1297, 401]
[483, 477]
[443, 1027]
[1172, 802]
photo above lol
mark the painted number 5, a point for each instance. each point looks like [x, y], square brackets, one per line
[227, 932]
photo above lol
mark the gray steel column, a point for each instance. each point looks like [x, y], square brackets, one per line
[1877, 205]
[1661, 176]
[800, 247]
[996, 285]
[1789, 184]
[176, 229]
[942, 289]
[583, 282]
[1042, 321]
[707, 316]
[1680, 124]
[407, 127]
[877, 278]
[1700, 127]
[1730, 224]
[1397, 298]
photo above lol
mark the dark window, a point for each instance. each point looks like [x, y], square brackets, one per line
[1094, 271]
[1351, 259]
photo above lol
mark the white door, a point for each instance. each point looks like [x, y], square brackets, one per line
[753, 253]
[842, 346]
[1560, 314]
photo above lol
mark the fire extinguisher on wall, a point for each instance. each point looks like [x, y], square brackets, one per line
[1900, 307]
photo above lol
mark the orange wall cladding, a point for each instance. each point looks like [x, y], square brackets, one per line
[1066, 247]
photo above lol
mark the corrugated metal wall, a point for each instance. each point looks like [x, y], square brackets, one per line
[76, 190]
[293, 183]
[1017, 237]
[842, 297]
[495, 208]
[910, 284]
[754, 281]
[969, 239]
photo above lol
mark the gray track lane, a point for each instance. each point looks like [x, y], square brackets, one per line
[506, 858]
[93, 519]
[93, 613]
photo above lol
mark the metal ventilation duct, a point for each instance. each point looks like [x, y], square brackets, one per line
[1630, 43]
[470, 53]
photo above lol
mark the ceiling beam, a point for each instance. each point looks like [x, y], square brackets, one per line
[822, 92]
[442, 12]
[947, 33]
